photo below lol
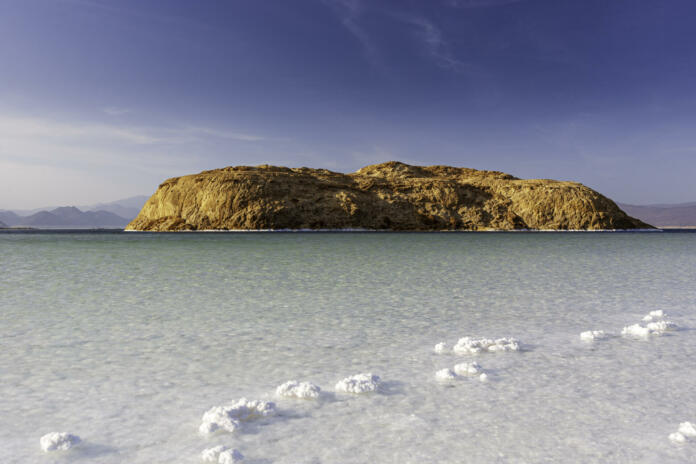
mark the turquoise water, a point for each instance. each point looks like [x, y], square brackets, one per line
[127, 339]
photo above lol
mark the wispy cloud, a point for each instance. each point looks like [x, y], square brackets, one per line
[349, 12]
[437, 47]
[13, 127]
[479, 3]
[115, 111]
[205, 131]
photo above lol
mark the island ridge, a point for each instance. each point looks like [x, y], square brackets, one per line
[387, 196]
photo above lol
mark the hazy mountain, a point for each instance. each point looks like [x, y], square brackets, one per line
[676, 215]
[10, 218]
[68, 217]
[127, 207]
[2, 225]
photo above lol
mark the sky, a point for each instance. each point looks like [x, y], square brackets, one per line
[101, 100]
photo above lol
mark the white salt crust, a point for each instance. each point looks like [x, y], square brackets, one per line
[222, 455]
[687, 429]
[445, 375]
[483, 377]
[230, 456]
[440, 348]
[472, 368]
[655, 325]
[58, 441]
[468, 345]
[360, 383]
[300, 390]
[212, 454]
[229, 417]
[592, 335]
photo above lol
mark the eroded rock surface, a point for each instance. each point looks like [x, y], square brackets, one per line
[387, 196]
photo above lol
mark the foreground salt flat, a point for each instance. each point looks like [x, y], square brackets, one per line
[127, 340]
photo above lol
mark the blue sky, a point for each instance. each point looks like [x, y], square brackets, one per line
[101, 100]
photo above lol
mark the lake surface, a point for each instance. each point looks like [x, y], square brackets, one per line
[127, 339]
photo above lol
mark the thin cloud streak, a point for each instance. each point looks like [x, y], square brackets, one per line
[23, 127]
[479, 3]
[115, 111]
[349, 12]
[437, 47]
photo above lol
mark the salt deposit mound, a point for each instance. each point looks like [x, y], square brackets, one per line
[222, 455]
[655, 325]
[228, 418]
[301, 390]
[468, 345]
[360, 383]
[58, 441]
[445, 375]
[472, 368]
[440, 348]
[686, 431]
[592, 335]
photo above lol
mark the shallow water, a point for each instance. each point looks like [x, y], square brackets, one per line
[127, 339]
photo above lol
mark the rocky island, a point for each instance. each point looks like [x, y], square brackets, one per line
[387, 196]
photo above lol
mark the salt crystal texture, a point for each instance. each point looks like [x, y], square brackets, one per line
[687, 429]
[360, 383]
[230, 456]
[635, 330]
[301, 390]
[440, 348]
[592, 335]
[213, 454]
[651, 328]
[468, 345]
[228, 417]
[58, 441]
[660, 327]
[483, 377]
[445, 375]
[472, 368]
[677, 437]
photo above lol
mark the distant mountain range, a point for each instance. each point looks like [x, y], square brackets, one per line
[114, 215]
[664, 215]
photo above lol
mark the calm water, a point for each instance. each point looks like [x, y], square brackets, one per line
[126, 339]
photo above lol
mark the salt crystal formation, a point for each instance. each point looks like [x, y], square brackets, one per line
[685, 431]
[228, 418]
[230, 456]
[222, 455]
[445, 375]
[468, 345]
[472, 368]
[654, 316]
[483, 377]
[58, 441]
[360, 383]
[440, 348]
[592, 335]
[655, 325]
[301, 390]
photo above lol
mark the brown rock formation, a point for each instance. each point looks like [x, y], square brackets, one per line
[390, 195]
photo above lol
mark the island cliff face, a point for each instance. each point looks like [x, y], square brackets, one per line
[387, 196]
